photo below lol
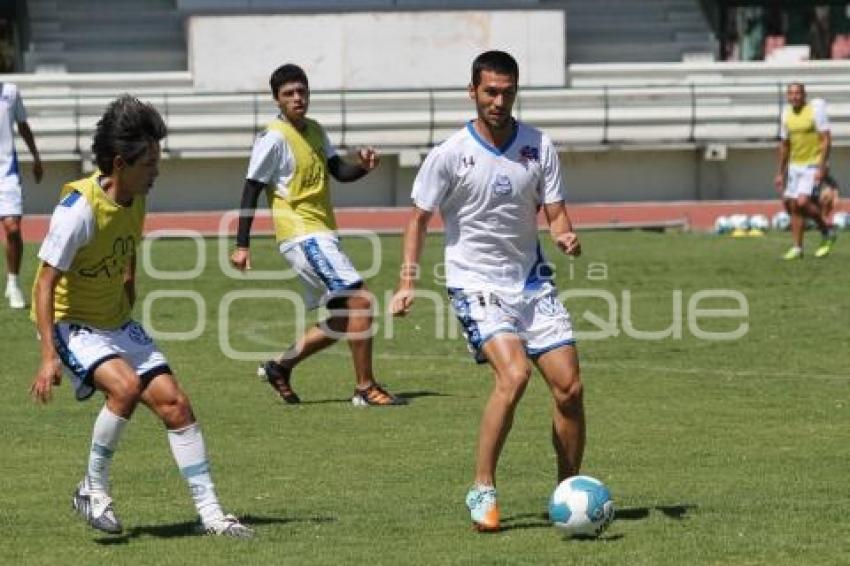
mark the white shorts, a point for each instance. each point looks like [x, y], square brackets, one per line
[801, 181]
[11, 199]
[539, 320]
[324, 270]
[83, 348]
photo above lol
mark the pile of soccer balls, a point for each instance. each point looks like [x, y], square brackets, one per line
[738, 225]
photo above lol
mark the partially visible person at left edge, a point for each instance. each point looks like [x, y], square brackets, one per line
[12, 112]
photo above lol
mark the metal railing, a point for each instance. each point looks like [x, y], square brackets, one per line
[215, 123]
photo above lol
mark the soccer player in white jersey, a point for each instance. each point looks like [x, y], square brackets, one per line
[803, 167]
[488, 182]
[12, 112]
[82, 300]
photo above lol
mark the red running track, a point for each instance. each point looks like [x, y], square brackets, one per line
[695, 215]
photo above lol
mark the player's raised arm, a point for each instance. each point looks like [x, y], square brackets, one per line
[345, 172]
[414, 238]
[50, 370]
[561, 228]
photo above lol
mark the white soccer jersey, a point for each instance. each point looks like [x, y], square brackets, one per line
[272, 161]
[489, 198]
[11, 111]
[71, 227]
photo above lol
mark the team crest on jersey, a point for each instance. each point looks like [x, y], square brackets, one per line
[529, 153]
[138, 335]
[502, 185]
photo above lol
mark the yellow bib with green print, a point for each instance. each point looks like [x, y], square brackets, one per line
[304, 207]
[92, 290]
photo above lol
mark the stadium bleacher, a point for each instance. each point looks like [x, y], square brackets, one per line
[121, 35]
[214, 124]
[628, 32]
[667, 108]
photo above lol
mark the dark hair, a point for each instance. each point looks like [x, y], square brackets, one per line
[799, 84]
[127, 128]
[288, 73]
[495, 61]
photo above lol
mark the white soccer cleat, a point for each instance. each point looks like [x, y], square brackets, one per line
[228, 526]
[15, 297]
[96, 508]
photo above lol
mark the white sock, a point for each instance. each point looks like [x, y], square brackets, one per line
[190, 453]
[107, 431]
[11, 280]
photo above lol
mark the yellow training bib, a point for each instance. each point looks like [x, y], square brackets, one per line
[92, 290]
[304, 206]
[803, 136]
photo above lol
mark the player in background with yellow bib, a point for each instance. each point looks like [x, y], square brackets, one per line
[291, 162]
[803, 166]
[82, 300]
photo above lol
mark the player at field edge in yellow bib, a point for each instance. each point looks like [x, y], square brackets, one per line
[803, 165]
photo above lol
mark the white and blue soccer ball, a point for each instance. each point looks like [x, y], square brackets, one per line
[581, 506]
[759, 222]
[841, 220]
[722, 225]
[739, 222]
[781, 221]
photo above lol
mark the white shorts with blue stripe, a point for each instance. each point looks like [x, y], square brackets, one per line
[537, 318]
[83, 349]
[323, 268]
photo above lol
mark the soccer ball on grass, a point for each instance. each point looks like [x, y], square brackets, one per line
[581, 506]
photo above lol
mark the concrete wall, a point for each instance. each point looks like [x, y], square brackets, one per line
[373, 50]
[602, 175]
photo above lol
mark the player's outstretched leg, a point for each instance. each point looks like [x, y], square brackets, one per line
[165, 398]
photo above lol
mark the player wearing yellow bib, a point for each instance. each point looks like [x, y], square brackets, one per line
[292, 162]
[803, 166]
[82, 300]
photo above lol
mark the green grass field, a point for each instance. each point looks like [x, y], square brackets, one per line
[717, 452]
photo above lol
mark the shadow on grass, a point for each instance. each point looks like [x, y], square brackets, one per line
[541, 520]
[407, 395]
[525, 521]
[677, 512]
[422, 393]
[190, 528]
